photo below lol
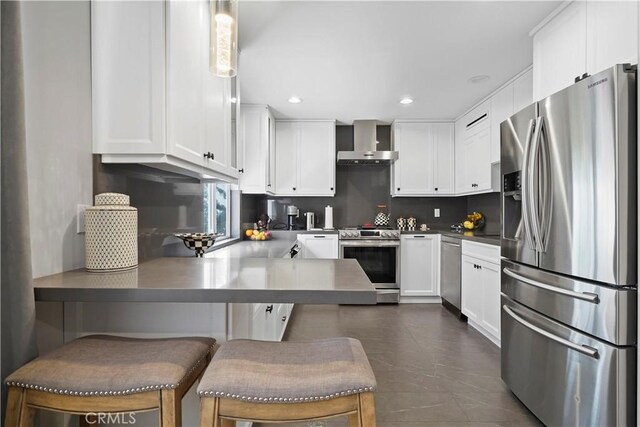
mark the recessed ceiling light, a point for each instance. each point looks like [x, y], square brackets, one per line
[406, 101]
[234, 100]
[479, 78]
[295, 100]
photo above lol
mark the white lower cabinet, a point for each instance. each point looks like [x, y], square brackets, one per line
[420, 265]
[323, 246]
[481, 288]
[265, 322]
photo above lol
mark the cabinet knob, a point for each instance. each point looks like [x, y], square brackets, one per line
[269, 308]
[331, 188]
[436, 188]
[398, 188]
[294, 188]
[284, 318]
[241, 170]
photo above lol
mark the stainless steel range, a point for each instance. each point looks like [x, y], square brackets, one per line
[377, 250]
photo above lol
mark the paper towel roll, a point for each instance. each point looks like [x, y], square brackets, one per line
[328, 217]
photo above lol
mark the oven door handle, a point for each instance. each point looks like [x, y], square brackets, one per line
[367, 244]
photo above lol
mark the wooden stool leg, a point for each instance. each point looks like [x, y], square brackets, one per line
[354, 420]
[170, 409]
[208, 411]
[14, 404]
[367, 410]
[228, 423]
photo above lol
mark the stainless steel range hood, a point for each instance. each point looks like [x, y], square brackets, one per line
[364, 147]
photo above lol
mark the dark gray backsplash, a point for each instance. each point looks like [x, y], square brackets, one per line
[489, 205]
[359, 189]
[167, 203]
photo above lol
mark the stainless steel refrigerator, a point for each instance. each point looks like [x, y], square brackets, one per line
[569, 299]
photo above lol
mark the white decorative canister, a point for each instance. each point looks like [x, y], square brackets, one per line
[111, 234]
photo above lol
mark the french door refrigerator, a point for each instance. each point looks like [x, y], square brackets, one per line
[569, 298]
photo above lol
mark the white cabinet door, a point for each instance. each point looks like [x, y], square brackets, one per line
[287, 135]
[559, 51]
[523, 91]
[412, 172]
[476, 161]
[217, 123]
[472, 289]
[501, 110]
[185, 80]
[490, 274]
[316, 158]
[420, 265]
[305, 158]
[128, 77]
[324, 246]
[612, 34]
[271, 163]
[257, 151]
[443, 158]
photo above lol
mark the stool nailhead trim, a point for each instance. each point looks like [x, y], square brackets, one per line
[109, 393]
[283, 399]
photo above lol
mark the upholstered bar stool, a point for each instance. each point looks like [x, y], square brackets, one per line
[266, 381]
[102, 374]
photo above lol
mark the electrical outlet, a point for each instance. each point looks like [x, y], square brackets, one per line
[436, 213]
[80, 217]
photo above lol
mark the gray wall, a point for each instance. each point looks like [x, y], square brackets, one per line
[167, 203]
[359, 189]
[57, 63]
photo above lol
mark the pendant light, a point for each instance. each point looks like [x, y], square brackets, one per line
[223, 43]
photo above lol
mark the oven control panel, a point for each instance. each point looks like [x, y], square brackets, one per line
[369, 234]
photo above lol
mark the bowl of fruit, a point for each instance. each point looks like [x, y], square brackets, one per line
[474, 221]
[259, 235]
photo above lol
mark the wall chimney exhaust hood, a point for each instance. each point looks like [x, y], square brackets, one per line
[364, 147]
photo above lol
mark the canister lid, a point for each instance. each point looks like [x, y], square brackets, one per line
[111, 199]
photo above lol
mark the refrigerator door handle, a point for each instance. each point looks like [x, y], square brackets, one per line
[581, 348]
[532, 177]
[584, 296]
[528, 235]
[545, 183]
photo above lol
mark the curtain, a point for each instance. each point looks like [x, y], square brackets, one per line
[17, 309]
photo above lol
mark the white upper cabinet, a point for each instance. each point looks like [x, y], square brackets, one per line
[501, 110]
[256, 152]
[523, 91]
[154, 100]
[305, 157]
[584, 37]
[425, 165]
[473, 151]
[559, 51]
[612, 34]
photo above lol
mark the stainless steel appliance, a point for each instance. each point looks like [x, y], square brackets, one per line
[292, 214]
[311, 220]
[378, 253]
[450, 275]
[365, 150]
[569, 298]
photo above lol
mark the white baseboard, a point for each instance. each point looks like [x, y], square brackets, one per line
[420, 300]
[484, 332]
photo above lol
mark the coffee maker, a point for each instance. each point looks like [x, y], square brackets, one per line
[292, 214]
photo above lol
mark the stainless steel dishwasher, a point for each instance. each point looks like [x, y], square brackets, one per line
[450, 271]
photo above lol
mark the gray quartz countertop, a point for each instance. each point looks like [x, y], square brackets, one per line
[476, 236]
[217, 279]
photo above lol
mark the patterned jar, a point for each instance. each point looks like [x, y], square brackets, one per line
[401, 223]
[411, 223]
[111, 234]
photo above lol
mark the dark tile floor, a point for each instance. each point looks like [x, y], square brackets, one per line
[432, 370]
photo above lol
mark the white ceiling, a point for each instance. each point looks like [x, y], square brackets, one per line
[356, 59]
